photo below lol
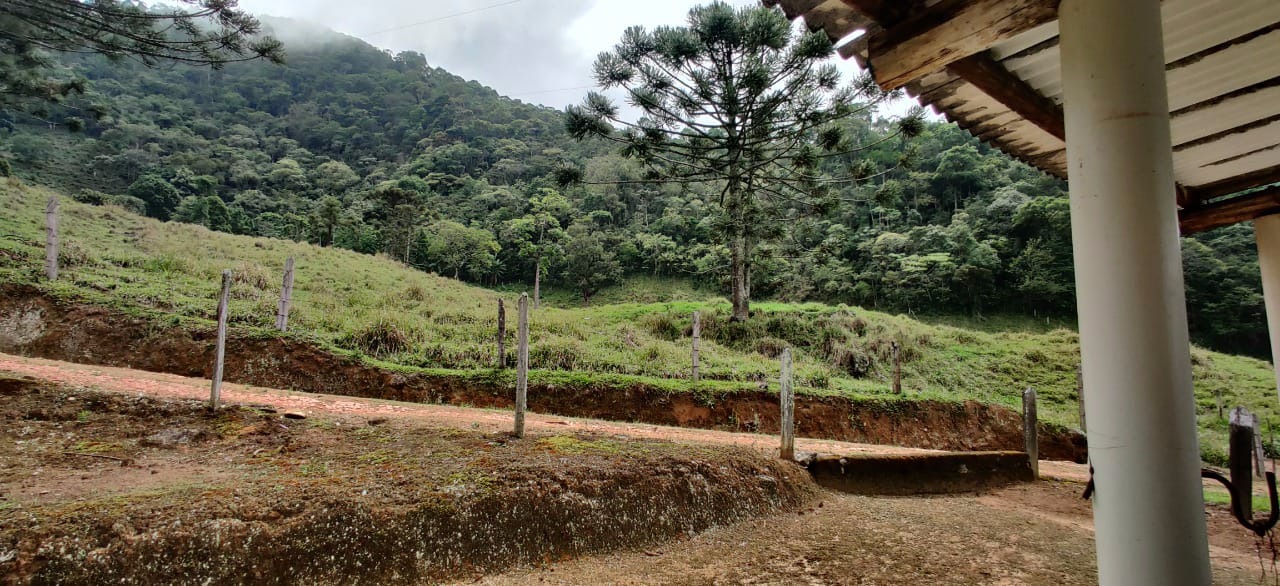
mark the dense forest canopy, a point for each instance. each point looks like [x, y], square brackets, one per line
[347, 145]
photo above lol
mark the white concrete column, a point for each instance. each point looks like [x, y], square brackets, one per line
[1267, 232]
[1148, 507]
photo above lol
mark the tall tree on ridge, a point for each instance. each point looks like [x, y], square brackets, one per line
[538, 234]
[736, 98]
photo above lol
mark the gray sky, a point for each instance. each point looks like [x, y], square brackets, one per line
[538, 51]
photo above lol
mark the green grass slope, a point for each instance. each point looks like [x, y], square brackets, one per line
[390, 314]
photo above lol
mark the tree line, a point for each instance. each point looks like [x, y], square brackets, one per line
[346, 145]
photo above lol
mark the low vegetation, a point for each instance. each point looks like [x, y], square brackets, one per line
[379, 309]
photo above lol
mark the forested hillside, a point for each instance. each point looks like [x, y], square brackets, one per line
[349, 146]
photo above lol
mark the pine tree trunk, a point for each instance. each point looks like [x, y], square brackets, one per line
[739, 294]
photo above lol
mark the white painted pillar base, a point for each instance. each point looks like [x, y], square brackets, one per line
[1267, 232]
[1148, 507]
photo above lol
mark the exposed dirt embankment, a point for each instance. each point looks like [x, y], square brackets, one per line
[110, 488]
[33, 324]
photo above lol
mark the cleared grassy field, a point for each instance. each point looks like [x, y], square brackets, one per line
[390, 314]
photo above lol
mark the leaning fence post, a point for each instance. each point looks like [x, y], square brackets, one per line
[697, 340]
[522, 364]
[788, 402]
[286, 296]
[897, 367]
[51, 239]
[1030, 443]
[215, 393]
[502, 334]
[1239, 453]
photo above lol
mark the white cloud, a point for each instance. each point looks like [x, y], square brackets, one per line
[538, 51]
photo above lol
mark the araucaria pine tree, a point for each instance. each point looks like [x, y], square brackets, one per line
[740, 101]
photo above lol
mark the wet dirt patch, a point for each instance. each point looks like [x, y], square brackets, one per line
[91, 495]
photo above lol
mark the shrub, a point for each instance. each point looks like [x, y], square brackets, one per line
[849, 358]
[555, 355]
[770, 346]
[381, 338]
[72, 254]
[415, 292]
[91, 197]
[1213, 455]
[129, 203]
[819, 380]
[665, 326]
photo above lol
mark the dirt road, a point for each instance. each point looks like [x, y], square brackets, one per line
[166, 385]
[1029, 534]
[1037, 534]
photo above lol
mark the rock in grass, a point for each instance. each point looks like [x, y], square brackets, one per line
[174, 436]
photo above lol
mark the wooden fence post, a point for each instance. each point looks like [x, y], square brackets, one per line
[502, 334]
[1239, 453]
[1080, 395]
[286, 296]
[897, 367]
[697, 341]
[1259, 456]
[215, 393]
[788, 401]
[51, 239]
[1030, 441]
[522, 365]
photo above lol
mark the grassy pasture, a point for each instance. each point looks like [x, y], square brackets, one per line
[391, 314]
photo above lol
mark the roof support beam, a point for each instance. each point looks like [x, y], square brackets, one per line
[1235, 184]
[993, 79]
[1230, 211]
[948, 31]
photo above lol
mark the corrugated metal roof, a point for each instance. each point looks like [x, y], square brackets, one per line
[1223, 77]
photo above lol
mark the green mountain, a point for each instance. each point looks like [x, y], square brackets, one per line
[353, 147]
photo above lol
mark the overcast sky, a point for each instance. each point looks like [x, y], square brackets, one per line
[538, 51]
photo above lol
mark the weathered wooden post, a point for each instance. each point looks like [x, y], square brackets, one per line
[1259, 456]
[897, 367]
[286, 296]
[1080, 396]
[215, 393]
[787, 398]
[697, 341]
[522, 364]
[1030, 441]
[1240, 452]
[51, 239]
[502, 334]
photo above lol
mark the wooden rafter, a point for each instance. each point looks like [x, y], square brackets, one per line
[932, 47]
[1230, 211]
[994, 80]
[1235, 184]
[948, 31]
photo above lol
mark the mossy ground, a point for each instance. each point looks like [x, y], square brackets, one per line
[393, 315]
